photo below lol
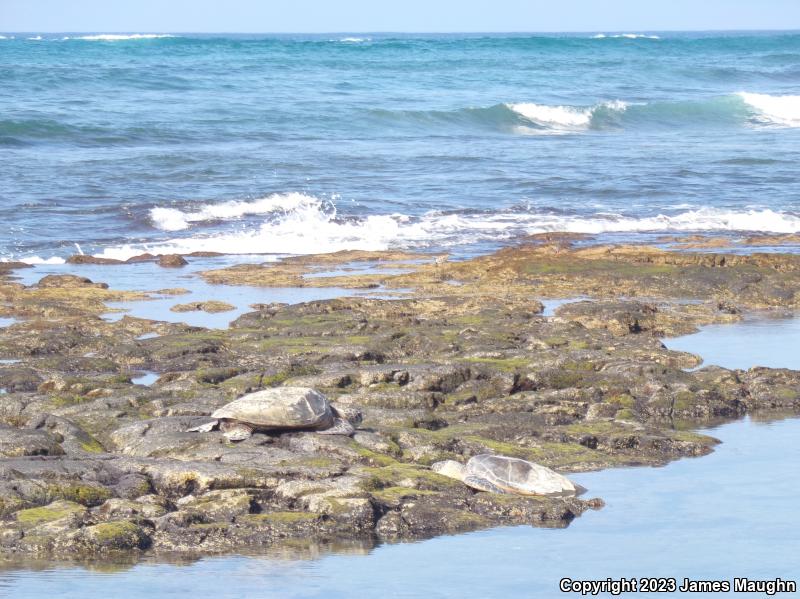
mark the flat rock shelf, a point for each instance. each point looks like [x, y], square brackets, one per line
[94, 463]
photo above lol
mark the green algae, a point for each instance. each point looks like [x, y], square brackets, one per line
[110, 532]
[87, 495]
[92, 445]
[50, 513]
[389, 476]
[374, 457]
[503, 364]
[396, 494]
[623, 400]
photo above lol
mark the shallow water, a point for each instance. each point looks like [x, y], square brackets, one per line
[551, 305]
[148, 276]
[147, 378]
[756, 341]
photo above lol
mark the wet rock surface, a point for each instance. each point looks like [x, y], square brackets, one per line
[91, 463]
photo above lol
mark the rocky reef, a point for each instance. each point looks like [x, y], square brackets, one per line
[462, 361]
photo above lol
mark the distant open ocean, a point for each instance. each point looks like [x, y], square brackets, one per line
[298, 144]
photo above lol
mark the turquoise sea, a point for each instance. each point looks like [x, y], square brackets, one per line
[296, 144]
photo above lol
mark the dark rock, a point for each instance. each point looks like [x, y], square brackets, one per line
[171, 261]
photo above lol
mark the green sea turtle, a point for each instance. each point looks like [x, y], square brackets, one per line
[281, 408]
[501, 474]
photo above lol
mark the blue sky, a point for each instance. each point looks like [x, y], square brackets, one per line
[310, 16]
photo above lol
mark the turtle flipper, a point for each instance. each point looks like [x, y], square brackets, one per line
[481, 484]
[340, 427]
[204, 428]
[236, 431]
[353, 415]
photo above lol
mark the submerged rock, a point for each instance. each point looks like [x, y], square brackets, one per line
[211, 307]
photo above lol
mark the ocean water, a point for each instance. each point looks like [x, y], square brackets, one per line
[297, 144]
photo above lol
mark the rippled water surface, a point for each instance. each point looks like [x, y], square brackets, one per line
[298, 144]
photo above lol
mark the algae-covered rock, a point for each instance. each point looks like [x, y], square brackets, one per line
[463, 363]
[217, 506]
[16, 442]
[56, 511]
[115, 535]
[118, 509]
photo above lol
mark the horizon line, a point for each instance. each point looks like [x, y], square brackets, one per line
[420, 32]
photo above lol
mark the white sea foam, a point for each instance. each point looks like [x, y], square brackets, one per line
[780, 111]
[116, 37]
[172, 219]
[39, 260]
[630, 36]
[313, 226]
[36, 38]
[564, 118]
[355, 40]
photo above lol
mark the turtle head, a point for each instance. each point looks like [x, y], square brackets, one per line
[449, 468]
[353, 415]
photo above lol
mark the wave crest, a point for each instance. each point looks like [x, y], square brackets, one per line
[628, 36]
[173, 219]
[742, 109]
[564, 118]
[781, 111]
[313, 226]
[118, 37]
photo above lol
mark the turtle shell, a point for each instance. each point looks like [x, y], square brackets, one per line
[519, 476]
[281, 407]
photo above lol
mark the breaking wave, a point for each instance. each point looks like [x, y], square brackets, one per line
[781, 111]
[38, 260]
[742, 109]
[173, 219]
[566, 118]
[300, 224]
[629, 36]
[118, 37]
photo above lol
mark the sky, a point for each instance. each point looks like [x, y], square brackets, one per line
[325, 16]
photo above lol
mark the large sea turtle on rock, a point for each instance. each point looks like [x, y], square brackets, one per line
[281, 408]
[501, 474]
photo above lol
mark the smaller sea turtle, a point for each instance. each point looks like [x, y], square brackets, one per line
[281, 408]
[501, 474]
